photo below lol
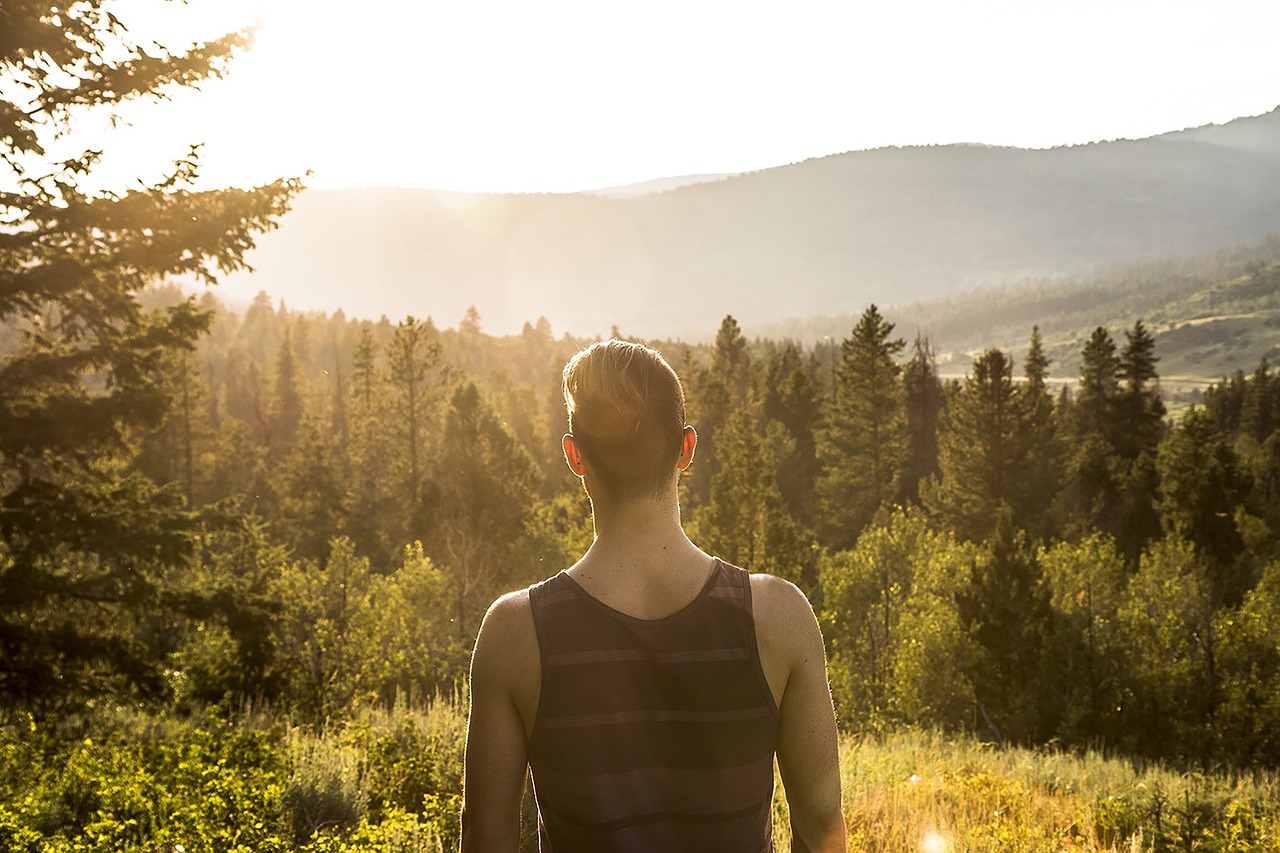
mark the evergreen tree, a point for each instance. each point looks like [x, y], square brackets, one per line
[1258, 407]
[1095, 470]
[412, 356]
[861, 443]
[287, 402]
[1040, 431]
[1141, 416]
[310, 486]
[923, 406]
[179, 449]
[1141, 426]
[1201, 487]
[720, 390]
[1007, 610]
[1099, 388]
[86, 545]
[985, 453]
[791, 399]
[369, 504]
[481, 491]
[745, 521]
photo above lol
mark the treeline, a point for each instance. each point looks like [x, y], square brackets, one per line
[337, 501]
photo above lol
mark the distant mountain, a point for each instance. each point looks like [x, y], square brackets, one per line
[658, 185]
[820, 237]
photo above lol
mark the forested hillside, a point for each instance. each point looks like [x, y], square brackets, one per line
[1211, 315]
[366, 489]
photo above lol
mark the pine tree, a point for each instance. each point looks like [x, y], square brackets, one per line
[1044, 458]
[923, 407]
[862, 442]
[412, 356]
[287, 401]
[369, 505]
[719, 390]
[1095, 470]
[1201, 486]
[177, 450]
[745, 522]
[88, 544]
[985, 453]
[791, 399]
[482, 488]
[1099, 388]
[1141, 409]
[1007, 610]
[310, 485]
[1141, 426]
[1258, 408]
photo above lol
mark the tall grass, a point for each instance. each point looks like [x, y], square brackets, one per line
[927, 792]
[389, 780]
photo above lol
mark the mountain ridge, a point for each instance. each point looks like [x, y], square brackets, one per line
[822, 236]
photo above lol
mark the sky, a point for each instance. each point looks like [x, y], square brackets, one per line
[568, 95]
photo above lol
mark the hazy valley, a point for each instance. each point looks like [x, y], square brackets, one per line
[944, 226]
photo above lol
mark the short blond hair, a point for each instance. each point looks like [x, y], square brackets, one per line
[626, 412]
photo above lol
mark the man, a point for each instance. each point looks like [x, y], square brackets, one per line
[649, 686]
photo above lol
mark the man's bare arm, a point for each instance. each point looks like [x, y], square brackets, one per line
[497, 751]
[807, 744]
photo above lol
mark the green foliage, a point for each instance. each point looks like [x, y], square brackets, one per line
[1007, 609]
[1201, 485]
[890, 618]
[87, 542]
[1166, 616]
[746, 522]
[861, 445]
[351, 636]
[390, 782]
[985, 454]
[922, 406]
[481, 491]
[1085, 651]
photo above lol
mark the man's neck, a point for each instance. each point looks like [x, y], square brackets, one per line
[640, 545]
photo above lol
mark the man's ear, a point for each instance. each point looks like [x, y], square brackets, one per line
[688, 441]
[572, 454]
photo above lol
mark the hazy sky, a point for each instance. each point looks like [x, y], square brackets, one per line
[560, 95]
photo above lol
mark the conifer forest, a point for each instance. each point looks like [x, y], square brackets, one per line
[244, 551]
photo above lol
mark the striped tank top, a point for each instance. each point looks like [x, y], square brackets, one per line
[652, 736]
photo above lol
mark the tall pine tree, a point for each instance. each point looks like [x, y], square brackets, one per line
[86, 545]
[985, 453]
[861, 443]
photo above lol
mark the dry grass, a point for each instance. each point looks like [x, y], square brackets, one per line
[920, 792]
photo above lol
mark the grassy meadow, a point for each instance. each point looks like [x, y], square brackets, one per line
[389, 781]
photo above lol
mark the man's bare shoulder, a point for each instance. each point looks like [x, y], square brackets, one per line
[779, 605]
[510, 617]
[787, 633]
[507, 635]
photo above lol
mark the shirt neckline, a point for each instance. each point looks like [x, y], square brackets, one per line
[578, 589]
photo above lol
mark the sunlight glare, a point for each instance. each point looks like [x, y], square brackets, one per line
[934, 842]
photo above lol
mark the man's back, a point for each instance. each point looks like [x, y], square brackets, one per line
[507, 680]
[652, 734]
